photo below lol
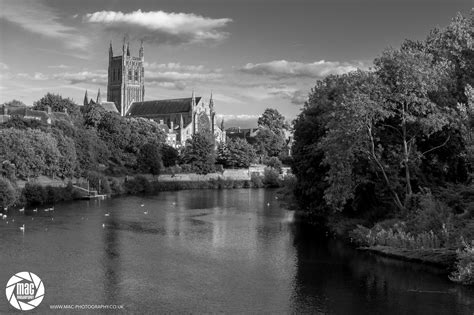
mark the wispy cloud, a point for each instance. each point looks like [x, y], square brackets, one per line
[96, 77]
[38, 18]
[286, 69]
[161, 27]
[177, 76]
[37, 76]
[3, 66]
[59, 67]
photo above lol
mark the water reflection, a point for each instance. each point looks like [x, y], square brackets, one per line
[232, 251]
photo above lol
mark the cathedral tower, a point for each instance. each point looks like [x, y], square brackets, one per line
[126, 78]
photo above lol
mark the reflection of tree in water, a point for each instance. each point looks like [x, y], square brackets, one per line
[111, 262]
[336, 278]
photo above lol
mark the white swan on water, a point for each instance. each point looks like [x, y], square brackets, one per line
[22, 209]
[145, 212]
[107, 214]
[22, 228]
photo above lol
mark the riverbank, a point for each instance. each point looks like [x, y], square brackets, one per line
[439, 257]
[43, 192]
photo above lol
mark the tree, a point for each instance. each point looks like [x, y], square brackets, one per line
[14, 103]
[169, 155]
[149, 159]
[236, 153]
[269, 143]
[33, 152]
[8, 194]
[58, 104]
[199, 153]
[273, 120]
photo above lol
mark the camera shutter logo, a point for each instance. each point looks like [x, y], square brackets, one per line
[25, 291]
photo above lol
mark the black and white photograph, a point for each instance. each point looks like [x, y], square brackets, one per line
[237, 157]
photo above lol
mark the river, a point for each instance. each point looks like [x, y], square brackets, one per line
[231, 251]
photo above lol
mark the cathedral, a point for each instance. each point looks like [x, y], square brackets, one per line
[180, 118]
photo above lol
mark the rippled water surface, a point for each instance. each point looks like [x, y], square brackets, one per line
[229, 251]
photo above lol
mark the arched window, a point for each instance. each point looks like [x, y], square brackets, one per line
[130, 75]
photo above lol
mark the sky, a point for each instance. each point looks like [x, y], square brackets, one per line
[251, 54]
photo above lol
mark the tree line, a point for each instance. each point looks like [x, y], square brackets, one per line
[393, 145]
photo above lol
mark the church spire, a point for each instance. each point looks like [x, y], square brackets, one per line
[111, 53]
[99, 99]
[128, 49]
[140, 52]
[211, 103]
[86, 100]
[193, 100]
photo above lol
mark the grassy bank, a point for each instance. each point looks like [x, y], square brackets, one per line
[39, 193]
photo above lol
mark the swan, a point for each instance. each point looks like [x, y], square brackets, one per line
[107, 214]
[22, 209]
[145, 212]
[268, 204]
[4, 217]
[35, 210]
[103, 225]
[22, 228]
[142, 205]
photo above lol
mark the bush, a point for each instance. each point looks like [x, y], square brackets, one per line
[116, 187]
[275, 163]
[34, 194]
[139, 184]
[464, 272]
[395, 237]
[271, 177]
[8, 194]
[256, 180]
[431, 215]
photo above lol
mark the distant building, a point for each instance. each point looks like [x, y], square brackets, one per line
[107, 106]
[28, 113]
[242, 133]
[180, 118]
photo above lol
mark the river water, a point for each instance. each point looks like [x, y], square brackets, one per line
[231, 251]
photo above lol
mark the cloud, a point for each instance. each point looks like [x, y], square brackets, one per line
[38, 18]
[97, 77]
[287, 69]
[173, 67]
[59, 67]
[297, 97]
[37, 76]
[160, 27]
[176, 76]
[3, 66]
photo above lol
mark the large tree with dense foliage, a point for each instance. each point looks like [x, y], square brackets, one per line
[273, 120]
[236, 153]
[169, 155]
[383, 133]
[149, 159]
[199, 153]
[58, 104]
[33, 152]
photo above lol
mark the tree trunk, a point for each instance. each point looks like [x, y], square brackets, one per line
[406, 158]
[396, 198]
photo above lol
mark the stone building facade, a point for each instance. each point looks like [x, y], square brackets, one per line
[181, 118]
